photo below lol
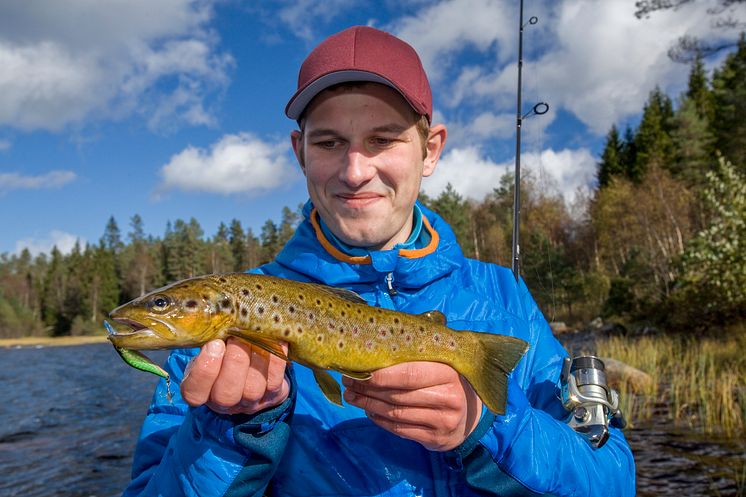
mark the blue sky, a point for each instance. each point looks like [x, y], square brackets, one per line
[173, 109]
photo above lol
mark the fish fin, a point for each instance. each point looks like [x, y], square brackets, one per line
[435, 317]
[328, 386]
[343, 293]
[258, 340]
[355, 375]
[488, 374]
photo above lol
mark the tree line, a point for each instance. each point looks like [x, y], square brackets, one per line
[659, 242]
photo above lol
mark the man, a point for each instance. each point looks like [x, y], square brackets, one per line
[246, 423]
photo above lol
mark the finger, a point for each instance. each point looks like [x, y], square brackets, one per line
[412, 375]
[276, 372]
[405, 414]
[426, 436]
[256, 378]
[429, 397]
[201, 373]
[229, 385]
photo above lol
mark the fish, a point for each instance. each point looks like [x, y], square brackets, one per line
[326, 328]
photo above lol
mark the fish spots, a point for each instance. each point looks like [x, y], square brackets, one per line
[421, 350]
[343, 313]
[452, 344]
[372, 320]
[340, 344]
[275, 299]
[369, 345]
[299, 330]
[191, 304]
[318, 301]
[260, 310]
[396, 321]
[341, 330]
[222, 280]
[383, 333]
[319, 338]
[244, 312]
[436, 338]
[408, 338]
[311, 316]
[291, 309]
[286, 332]
[355, 331]
[394, 347]
[259, 287]
[244, 292]
[301, 297]
[226, 304]
[276, 318]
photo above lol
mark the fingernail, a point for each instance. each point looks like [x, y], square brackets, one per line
[214, 348]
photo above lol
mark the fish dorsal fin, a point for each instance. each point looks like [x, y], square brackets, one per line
[262, 341]
[343, 293]
[435, 317]
[328, 386]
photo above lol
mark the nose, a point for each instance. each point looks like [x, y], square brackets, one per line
[358, 168]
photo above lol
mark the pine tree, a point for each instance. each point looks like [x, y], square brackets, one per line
[729, 97]
[611, 164]
[457, 213]
[270, 241]
[653, 140]
[237, 241]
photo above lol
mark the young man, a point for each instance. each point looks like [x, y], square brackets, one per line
[246, 424]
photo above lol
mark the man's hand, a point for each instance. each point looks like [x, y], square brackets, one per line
[235, 378]
[427, 402]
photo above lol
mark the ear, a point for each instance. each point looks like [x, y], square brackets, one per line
[296, 139]
[436, 140]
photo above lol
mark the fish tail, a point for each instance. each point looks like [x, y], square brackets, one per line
[488, 374]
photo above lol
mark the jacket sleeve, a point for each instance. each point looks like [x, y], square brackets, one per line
[530, 450]
[197, 452]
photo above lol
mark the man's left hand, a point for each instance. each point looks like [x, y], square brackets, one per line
[427, 402]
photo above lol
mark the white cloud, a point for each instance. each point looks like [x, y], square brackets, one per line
[592, 58]
[52, 179]
[236, 164]
[56, 238]
[440, 31]
[474, 176]
[155, 59]
[470, 174]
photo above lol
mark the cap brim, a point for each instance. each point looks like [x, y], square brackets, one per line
[303, 97]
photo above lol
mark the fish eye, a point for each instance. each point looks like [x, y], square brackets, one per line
[159, 303]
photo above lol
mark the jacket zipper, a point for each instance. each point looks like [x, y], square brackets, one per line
[390, 284]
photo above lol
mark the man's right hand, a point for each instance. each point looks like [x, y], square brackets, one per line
[234, 377]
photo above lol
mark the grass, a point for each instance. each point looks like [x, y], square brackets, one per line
[697, 383]
[51, 341]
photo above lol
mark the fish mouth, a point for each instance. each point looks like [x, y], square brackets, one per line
[132, 328]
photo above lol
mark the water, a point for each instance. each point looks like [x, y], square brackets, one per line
[70, 416]
[69, 420]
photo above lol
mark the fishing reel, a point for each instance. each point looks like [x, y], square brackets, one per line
[592, 405]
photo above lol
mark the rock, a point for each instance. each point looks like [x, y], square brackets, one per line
[558, 327]
[596, 324]
[619, 373]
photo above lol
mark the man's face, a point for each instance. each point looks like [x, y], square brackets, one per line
[362, 156]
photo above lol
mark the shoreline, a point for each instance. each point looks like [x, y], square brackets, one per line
[66, 341]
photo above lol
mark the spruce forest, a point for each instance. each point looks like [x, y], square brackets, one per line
[660, 242]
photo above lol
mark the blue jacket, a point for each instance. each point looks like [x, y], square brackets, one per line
[310, 447]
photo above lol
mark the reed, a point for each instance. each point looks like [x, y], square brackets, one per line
[697, 383]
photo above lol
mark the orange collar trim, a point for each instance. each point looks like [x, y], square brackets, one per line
[366, 259]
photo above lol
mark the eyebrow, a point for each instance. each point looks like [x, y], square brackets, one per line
[386, 128]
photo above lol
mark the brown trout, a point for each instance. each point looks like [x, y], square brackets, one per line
[325, 328]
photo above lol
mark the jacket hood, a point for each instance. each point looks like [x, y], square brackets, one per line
[309, 254]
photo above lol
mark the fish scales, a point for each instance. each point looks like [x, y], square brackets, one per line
[325, 328]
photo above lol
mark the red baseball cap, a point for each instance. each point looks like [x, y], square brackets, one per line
[362, 53]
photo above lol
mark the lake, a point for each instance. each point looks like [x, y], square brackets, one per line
[70, 417]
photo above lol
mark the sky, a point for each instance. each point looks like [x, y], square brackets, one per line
[173, 109]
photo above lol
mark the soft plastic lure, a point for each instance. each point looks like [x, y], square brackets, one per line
[140, 361]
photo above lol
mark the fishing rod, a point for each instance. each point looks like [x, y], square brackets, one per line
[538, 109]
